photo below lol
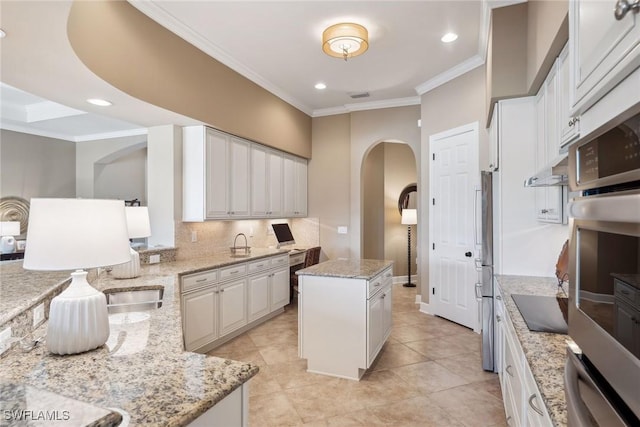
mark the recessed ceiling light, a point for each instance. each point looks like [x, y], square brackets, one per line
[449, 37]
[99, 102]
[2, 34]
[320, 86]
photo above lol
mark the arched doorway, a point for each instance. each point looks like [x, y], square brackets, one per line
[387, 169]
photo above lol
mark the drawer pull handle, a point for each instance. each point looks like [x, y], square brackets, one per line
[498, 318]
[260, 265]
[234, 272]
[221, 290]
[498, 297]
[202, 280]
[508, 371]
[509, 418]
[534, 407]
[376, 285]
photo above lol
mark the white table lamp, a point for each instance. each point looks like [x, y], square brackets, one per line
[409, 218]
[138, 226]
[9, 229]
[67, 234]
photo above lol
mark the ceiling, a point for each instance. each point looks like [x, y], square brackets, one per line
[275, 44]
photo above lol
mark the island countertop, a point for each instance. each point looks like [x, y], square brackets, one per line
[545, 352]
[350, 269]
[143, 370]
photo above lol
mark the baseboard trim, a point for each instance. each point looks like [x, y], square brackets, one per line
[403, 279]
[424, 308]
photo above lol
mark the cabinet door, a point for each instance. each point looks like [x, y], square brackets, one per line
[239, 173]
[569, 126]
[258, 298]
[552, 130]
[289, 177]
[275, 184]
[259, 181]
[301, 188]
[279, 288]
[199, 317]
[604, 50]
[540, 194]
[375, 326]
[387, 321]
[217, 182]
[494, 138]
[233, 313]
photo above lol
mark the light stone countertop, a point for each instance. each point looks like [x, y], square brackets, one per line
[545, 352]
[349, 269]
[143, 369]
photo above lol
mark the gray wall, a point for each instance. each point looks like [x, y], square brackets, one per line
[35, 166]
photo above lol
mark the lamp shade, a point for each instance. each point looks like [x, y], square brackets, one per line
[67, 234]
[138, 221]
[409, 216]
[345, 40]
[10, 228]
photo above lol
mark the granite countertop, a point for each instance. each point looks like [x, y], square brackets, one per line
[349, 269]
[143, 370]
[545, 352]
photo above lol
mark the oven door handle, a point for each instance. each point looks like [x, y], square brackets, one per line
[575, 406]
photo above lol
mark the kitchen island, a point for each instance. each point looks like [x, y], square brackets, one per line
[142, 371]
[344, 315]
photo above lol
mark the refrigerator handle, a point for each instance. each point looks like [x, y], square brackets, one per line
[476, 238]
[479, 291]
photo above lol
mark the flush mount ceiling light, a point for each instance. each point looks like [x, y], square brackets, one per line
[320, 86]
[99, 102]
[345, 40]
[449, 37]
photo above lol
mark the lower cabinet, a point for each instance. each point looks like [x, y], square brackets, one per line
[523, 403]
[220, 303]
[379, 314]
[233, 410]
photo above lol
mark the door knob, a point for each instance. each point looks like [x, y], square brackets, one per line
[468, 254]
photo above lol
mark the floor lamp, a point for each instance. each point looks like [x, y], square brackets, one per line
[409, 218]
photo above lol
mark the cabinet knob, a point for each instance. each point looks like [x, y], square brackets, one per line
[498, 318]
[534, 407]
[623, 7]
[544, 211]
[508, 371]
[498, 297]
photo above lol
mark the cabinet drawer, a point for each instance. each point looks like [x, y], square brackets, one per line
[234, 271]
[387, 277]
[375, 284]
[296, 259]
[280, 261]
[536, 410]
[195, 281]
[626, 292]
[261, 264]
[513, 378]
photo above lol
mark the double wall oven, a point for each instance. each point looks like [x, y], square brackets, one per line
[602, 376]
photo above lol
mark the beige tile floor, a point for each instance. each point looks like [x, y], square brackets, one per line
[428, 373]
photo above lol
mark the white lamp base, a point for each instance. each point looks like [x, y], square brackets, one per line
[128, 270]
[78, 318]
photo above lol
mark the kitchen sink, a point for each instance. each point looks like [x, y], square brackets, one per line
[119, 301]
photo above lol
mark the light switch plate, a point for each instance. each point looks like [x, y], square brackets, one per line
[342, 229]
[38, 315]
[194, 236]
[154, 259]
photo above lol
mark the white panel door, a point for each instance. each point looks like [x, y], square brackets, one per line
[301, 188]
[259, 181]
[258, 300]
[232, 308]
[199, 311]
[217, 185]
[454, 177]
[289, 177]
[275, 186]
[239, 172]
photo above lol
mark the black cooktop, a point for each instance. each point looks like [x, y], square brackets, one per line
[541, 313]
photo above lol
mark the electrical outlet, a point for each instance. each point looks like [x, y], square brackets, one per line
[38, 315]
[194, 236]
[154, 259]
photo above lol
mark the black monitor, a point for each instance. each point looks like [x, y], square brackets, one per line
[283, 234]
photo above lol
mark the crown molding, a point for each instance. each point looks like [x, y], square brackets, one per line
[456, 71]
[154, 11]
[372, 105]
[71, 138]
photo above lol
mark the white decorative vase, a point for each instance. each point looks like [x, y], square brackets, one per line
[78, 318]
[128, 270]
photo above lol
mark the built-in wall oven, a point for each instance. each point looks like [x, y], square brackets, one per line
[602, 376]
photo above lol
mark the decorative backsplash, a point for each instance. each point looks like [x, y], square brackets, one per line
[217, 236]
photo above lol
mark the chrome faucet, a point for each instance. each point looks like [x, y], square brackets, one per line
[246, 247]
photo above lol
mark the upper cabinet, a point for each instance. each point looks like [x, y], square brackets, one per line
[604, 50]
[569, 124]
[225, 177]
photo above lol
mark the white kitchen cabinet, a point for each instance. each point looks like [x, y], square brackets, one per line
[523, 403]
[494, 140]
[548, 199]
[569, 124]
[233, 410]
[232, 306]
[200, 317]
[279, 288]
[215, 175]
[266, 182]
[603, 50]
[268, 291]
[295, 186]
[343, 322]
[258, 302]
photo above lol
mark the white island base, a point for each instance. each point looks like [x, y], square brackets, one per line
[344, 321]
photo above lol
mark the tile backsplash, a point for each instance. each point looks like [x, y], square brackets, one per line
[217, 236]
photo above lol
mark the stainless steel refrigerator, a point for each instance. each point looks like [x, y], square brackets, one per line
[485, 267]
